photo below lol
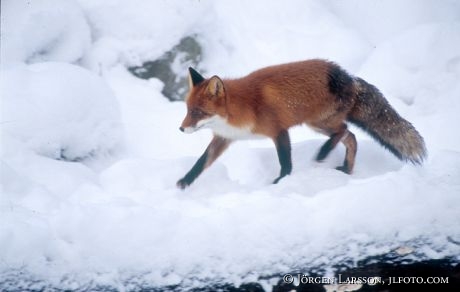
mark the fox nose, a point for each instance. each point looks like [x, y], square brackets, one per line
[181, 129]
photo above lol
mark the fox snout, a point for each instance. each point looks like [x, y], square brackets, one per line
[190, 125]
[187, 130]
[187, 127]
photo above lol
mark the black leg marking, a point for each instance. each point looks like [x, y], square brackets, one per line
[283, 148]
[326, 148]
[330, 144]
[213, 151]
[196, 170]
[344, 168]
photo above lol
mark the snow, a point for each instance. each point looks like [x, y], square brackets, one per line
[131, 33]
[59, 110]
[91, 154]
[43, 30]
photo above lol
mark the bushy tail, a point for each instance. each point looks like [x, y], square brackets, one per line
[374, 114]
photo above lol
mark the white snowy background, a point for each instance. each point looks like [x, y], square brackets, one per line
[90, 154]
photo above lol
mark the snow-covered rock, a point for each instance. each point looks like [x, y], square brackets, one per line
[59, 110]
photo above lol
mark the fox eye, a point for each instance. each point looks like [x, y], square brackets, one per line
[197, 113]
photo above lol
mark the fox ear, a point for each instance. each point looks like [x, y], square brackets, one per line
[216, 87]
[194, 77]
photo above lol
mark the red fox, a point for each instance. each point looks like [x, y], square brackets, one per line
[269, 101]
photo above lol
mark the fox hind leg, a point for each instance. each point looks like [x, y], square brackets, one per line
[351, 145]
[348, 139]
[330, 144]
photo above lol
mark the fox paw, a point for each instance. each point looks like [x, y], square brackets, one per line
[344, 169]
[182, 184]
[278, 179]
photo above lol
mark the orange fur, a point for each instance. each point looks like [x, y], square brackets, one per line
[274, 98]
[269, 101]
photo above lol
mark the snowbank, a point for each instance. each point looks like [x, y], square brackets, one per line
[125, 225]
[379, 21]
[59, 110]
[43, 30]
[137, 31]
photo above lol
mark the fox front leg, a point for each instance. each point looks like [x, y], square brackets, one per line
[283, 148]
[217, 146]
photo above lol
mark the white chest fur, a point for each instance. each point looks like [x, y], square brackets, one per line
[222, 128]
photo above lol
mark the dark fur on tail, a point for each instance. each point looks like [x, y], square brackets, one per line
[374, 114]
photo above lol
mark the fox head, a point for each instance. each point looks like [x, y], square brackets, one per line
[206, 103]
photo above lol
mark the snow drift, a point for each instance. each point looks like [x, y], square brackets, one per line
[59, 110]
[43, 30]
[74, 215]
